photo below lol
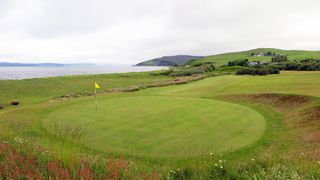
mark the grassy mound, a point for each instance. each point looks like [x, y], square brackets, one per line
[155, 126]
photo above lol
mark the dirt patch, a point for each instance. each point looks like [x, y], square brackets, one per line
[276, 100]
[312, 115]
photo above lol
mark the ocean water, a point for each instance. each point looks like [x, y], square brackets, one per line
[40, 72]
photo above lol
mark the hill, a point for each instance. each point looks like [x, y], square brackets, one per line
[169, 60]
[260, 54]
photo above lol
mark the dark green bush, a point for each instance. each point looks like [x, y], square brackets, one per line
[240, 62]
[279, 58]
[257, 71]
[296, 66]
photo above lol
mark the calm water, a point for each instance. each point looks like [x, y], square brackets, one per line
[39, 72]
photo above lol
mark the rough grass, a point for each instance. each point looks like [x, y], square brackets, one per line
[30, 91]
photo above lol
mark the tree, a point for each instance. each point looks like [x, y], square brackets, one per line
[279, 58]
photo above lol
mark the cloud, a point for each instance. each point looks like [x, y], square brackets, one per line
[126, 31]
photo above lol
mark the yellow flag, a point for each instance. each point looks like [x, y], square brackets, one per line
[96, 86]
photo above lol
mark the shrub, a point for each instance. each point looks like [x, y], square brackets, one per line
[257, 71]
[240, 62]
[14, 103]
[1, 106]
[279, 58]
[296, 66]
[203, 63]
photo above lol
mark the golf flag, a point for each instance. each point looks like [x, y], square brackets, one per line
[96, 86]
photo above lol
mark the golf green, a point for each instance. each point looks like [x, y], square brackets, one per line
[157, 126]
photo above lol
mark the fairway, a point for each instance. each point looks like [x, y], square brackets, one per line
[158, 126]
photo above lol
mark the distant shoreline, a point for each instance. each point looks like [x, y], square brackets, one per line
[30, 72]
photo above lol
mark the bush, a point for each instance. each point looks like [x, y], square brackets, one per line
[1, 107]
[296, 66]
[257, 71]
[240, 62]
[14, 103]
[202, 63]
[279, 58]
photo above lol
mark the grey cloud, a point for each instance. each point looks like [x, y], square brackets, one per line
[126, 31]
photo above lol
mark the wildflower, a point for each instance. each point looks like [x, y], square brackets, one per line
[252, 159]
[19, 140]
[221, 167]
[220, 161]
[178, 169]
[215, 164]
[224, 160]
[211, 154]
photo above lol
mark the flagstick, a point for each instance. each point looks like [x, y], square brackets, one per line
[95, 97]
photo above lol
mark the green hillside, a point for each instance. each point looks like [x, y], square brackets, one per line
[221, 59]
[177, 60]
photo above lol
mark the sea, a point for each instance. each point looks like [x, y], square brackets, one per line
[29, 72]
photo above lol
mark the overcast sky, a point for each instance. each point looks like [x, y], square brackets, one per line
[129, 31]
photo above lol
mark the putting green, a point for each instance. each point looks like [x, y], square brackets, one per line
[158, 126]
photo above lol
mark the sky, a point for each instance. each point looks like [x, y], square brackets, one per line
[130, 31]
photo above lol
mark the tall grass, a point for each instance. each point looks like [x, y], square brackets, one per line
[21, 159]
[18, 160]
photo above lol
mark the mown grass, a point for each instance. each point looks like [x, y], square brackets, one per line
[161, 127]
[288, 82]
